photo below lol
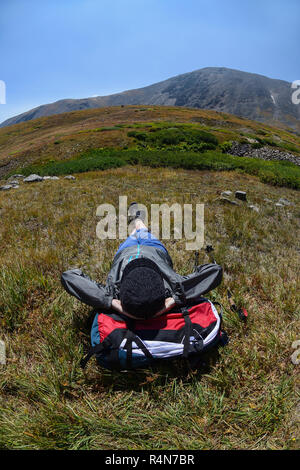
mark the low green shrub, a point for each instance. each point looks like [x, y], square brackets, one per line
[78, 165]
[173, 136]
[256, 145]
[225, 147]
[273, 172]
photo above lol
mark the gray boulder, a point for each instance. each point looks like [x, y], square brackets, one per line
[17, 176]
[33, 179]
[6, 187]
[234, 248]
[254, 208]
[226, 193]
[265, 153]
[229, 201]
[241, 195]
[284, 202]
[51, 178]
[70, 177]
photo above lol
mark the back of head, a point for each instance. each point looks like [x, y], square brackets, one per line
[142, 291]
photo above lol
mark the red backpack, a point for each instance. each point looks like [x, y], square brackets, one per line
[121, 343]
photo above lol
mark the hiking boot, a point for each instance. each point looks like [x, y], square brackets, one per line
[135, 213]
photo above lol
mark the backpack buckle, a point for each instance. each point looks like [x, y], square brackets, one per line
[198, 344]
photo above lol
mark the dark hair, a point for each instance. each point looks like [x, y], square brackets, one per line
[142, 291]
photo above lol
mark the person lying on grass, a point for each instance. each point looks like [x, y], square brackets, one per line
[142, 283]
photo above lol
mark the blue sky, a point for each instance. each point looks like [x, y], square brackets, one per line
[55, 49]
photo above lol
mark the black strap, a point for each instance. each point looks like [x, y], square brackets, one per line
[128, 347]
[132, 337]
[187, 332]
[179, 294]
[141, 345]
[94, 350]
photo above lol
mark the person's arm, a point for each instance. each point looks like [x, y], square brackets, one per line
[79, 285]
[204, 279]
[169, 303]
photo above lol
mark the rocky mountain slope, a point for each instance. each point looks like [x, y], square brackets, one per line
[244, 94]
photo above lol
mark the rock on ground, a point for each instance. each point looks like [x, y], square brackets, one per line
[284, 201]
[254, 208]
[241, 195]
[17, 176]
[265, 153]
[33, 178]
[229, 201]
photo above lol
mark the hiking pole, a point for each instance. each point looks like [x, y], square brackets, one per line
[208, 250]
[196, 261]
[242, 312]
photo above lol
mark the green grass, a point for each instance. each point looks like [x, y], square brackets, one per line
[102, 129]
[244, 398]
[289, 147]
[272, 172]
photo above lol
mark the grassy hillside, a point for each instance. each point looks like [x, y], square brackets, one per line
[175, 137]
[246, 399]
[67, 135]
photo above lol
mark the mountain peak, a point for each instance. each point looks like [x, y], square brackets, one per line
[244, 94]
